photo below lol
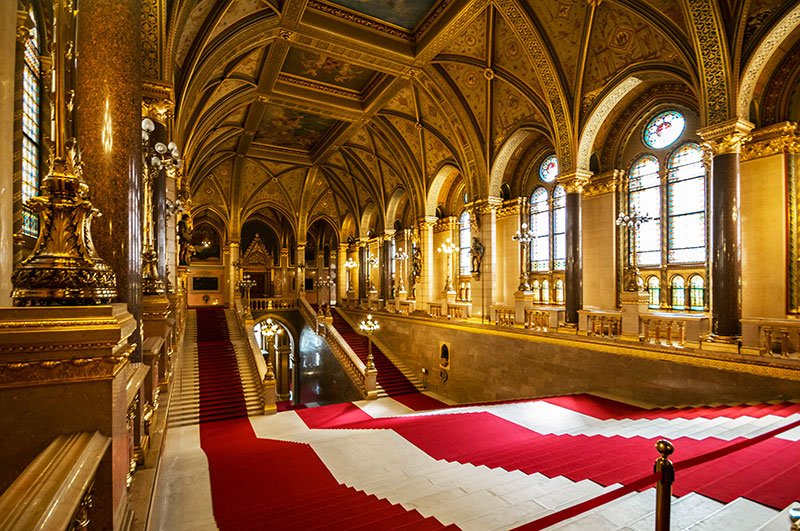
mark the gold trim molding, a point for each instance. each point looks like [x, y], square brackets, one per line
[603, 183]
[726, 137]
[772, 140]
[574, 182]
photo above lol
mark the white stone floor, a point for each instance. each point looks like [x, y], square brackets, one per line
[383, 463]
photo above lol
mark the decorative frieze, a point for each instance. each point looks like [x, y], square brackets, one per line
[726, 137]
[772, 140]
[603, 183]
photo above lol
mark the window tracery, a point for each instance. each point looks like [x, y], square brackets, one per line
[31, 126]
[547, 220]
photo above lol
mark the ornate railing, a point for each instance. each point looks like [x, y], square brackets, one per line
[266, 378]
[435, 310]
[608, 325]
[455, 312]
[55, 491]
[779, 337]
[273, 303]
[366, 381]
[537, 320]
[669, 332]
[505, 316]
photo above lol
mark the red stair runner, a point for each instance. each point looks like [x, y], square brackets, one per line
[221, 394]
[266, 484]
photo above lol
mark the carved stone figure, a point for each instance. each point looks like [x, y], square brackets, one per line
[476, 251]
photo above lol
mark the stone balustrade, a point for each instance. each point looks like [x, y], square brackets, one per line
[455, 312]
[435, 310]
[504, 316]
[660, 331]
[256, 359]
[537, 320]
[273, 303]
[779, 338]
[604, 325]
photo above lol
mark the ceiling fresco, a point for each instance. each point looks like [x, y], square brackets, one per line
[404, 13]
[287, 128]
[323, 68]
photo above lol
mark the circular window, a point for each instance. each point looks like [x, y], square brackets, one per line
[664, 129]
[548, 171]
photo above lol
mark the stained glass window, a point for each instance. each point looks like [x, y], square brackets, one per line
[464, 244]
[654, 291]
[559, 291]
[548, 171]
[678, 289]
[644, 189]
[31, 88]
[664, 129]
[559, 228]
[686, 196]
[536, 288]
[696, 293]
[545, 291]
[540, 226]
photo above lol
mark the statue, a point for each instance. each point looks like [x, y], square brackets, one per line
[185, 238]
[477, 255]
[416, 271]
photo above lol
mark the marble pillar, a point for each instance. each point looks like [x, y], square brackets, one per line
[108, 117]
[362, 270]
[484, 288]
[284, 263]
[300, 260]
[724, 141]
[573, 271]
[8, 31]
[232, 259]
[386, 266]
[160, 221]
[342, 274]
[425, 287]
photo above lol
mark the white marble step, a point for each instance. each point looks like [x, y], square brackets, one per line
[779, 522]
[686, 511]
[739, 514]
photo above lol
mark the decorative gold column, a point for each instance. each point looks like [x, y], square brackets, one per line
[232, 260]
[63, 267]
[724, 141]
[109, 114]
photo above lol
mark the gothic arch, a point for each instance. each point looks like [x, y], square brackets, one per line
[444, 178]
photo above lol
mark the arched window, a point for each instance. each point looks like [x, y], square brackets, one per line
[540, 226]
[678, 293]
[696, 293]
[31, 121]
[654, 291]
[686, 193]
[667, 183]
[560, 291]
[548, 170]
[464, 244]
[545, 291]
[644, 198]
[559, 228]
[537, 291]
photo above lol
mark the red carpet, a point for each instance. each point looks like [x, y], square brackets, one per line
[765, 472]
[267, 484]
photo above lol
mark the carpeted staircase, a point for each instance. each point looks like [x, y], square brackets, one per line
[390, 379]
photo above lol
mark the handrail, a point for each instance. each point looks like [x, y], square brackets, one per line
[273, 303]
[55, 490]
[266, 378]
[365, 380]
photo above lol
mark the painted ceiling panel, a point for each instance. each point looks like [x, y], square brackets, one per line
[323, 68]
[402, 102]
[292, 129]
[196, 19]
[435, 153]
[238, 10]
[510, 109]
[509, 54]
[409, 133]
[404, 13]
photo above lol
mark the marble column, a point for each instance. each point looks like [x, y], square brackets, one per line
[573, 271]
[284, 263]
[341, 273]
[725, 141]
[386, 265]
[362, 269]
[425, 292]
[8, 31]
[485, 287]
[160, 221]
[231, 254]
[300, 260]
[108, 117]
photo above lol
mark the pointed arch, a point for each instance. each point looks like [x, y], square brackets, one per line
[444, 178]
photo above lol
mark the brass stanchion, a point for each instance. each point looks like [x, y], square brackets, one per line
[664, 485]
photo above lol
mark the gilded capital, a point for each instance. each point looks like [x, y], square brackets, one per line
[603, 183]
[575, 181]
[726, 137]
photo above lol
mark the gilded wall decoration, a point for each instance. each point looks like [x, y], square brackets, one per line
[249, 65]
[781, 85]
[472, 85]
[151, 39]
[191, 28]
[402, 102]
[509, 54]
[712, 52]
[472, 41]
[671, 10]
[620, 38]
[793, 243]
[409, 133]
[435, 154]
[511, 108]
[562, 22]
[237, 11]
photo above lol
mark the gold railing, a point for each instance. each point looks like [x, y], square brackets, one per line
[435, 310]
[273, 303]
[505, 316]
[537, 320]
[604, 325]
[659, 331]
[405, 308]
[455, 312]
[779, 338]
[55, 491]
[265, 377]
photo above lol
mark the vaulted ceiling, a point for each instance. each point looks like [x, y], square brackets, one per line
[329, 109]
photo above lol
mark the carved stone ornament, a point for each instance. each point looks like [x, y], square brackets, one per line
[603, 183]
[574, 182]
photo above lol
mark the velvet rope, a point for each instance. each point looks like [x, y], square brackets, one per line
[641, 483]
